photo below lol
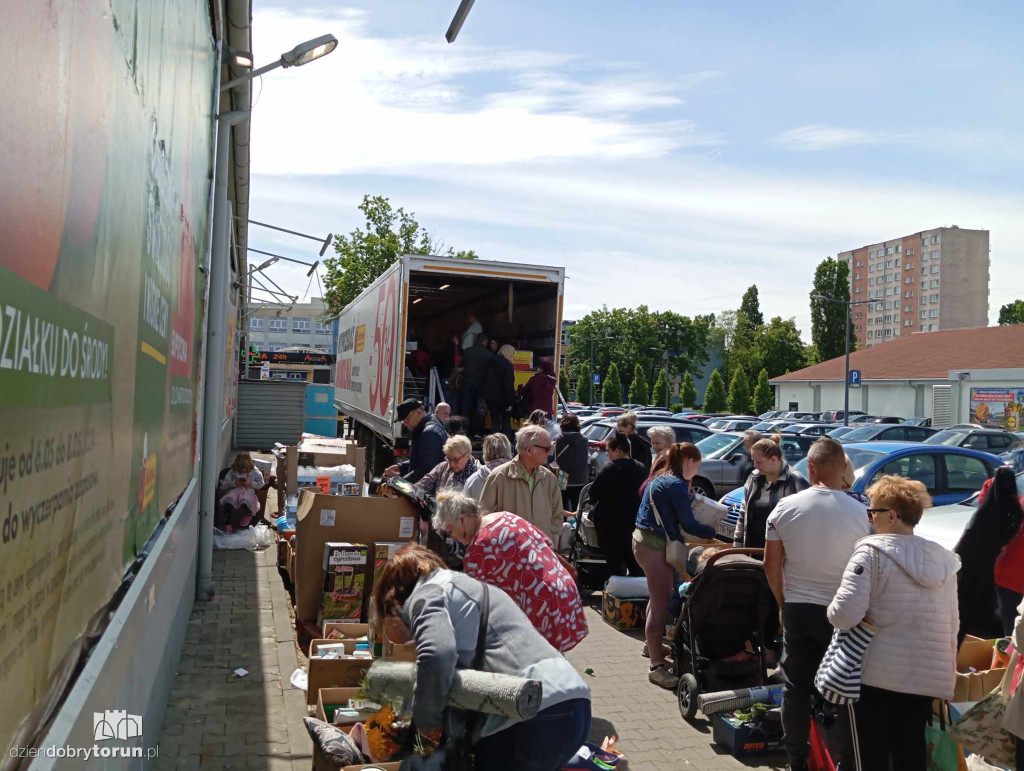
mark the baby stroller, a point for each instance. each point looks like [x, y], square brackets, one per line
[717, 644]
[585, 553]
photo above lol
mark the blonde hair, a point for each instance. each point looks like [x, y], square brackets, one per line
[770, 447]
[458, 445]
[665, 432]
[243, 463]
[907, 497]
[629, 419]
[850, 475]
[507, 352]
[497, 446]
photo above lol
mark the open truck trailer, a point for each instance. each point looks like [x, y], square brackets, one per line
[418, 303]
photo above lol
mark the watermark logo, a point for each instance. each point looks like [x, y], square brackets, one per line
[115, 724]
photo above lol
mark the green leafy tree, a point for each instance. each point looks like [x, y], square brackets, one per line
[1012, 313]
[750, 307]
[363, 255]
[739, 393]
[659, 391]
[828, 319]
[583, 384]
[764, 398]
[714, 394]
[781, 349]
[563, 382]
[612, 390]
[638, 392]
[688, 391]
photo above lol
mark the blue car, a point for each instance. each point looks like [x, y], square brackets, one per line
[951, 474]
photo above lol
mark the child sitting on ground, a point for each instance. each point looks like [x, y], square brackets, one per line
[239, 504]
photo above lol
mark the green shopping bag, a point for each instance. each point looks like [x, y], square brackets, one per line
[980, 730]
[944, 754]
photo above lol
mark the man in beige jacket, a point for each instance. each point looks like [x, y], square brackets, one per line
[525, 487]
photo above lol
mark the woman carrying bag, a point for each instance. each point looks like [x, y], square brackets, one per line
[904, 586]
[659, 543]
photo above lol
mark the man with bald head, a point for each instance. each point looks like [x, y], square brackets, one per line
[810, 537]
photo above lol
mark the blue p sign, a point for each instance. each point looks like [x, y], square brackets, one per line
[855, 378]
[597, 379]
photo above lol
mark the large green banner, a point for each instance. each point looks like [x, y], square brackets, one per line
[105, 171]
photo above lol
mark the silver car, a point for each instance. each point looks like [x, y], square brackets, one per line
[725, 463]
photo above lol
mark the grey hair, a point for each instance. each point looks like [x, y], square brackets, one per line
[497, 446]
[451, 504]
[629, 419]
[753, 436]
[459, 444]
[528, 436]
[665, 432]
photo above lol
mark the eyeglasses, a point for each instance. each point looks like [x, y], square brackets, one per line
[546, 449]
[872, 512]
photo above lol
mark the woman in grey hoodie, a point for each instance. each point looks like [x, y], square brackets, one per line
[905, 585]
[440, 610]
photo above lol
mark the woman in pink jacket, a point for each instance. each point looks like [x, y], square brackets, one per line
[906, 586]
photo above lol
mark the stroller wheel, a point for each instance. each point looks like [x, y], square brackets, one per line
[689, 690]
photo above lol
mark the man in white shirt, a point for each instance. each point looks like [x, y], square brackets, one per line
[810, 537]
[469, 336]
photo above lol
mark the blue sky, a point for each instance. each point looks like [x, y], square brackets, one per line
[663, 153]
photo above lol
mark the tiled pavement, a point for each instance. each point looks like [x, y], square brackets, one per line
[217, 721]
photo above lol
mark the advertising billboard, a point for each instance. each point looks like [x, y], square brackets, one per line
[997, 407]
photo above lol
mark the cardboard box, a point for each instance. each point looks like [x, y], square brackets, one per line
[976, 654]
[333, 696]
[325, 518]
[344, 672]
[340, 630]
[311, 453]
[290, 567]
[741, 739]
[624, 613]
[346, 581]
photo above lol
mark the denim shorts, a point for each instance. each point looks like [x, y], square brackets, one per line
[649, 538]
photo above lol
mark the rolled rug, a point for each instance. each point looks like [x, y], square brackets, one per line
[727, 701]
[487, 692]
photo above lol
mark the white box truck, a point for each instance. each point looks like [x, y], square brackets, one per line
[418, 303]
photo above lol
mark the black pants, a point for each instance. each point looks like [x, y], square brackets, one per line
[806, 635]
[571, 497]
[501, 419]
[889, 727]
[615, 535]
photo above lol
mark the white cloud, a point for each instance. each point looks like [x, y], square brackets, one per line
[818, 137]
[399, 103]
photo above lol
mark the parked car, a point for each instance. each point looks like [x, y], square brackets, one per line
[799, 415]
[771, 426]
[927, 422]
[633, 407]
[599, 432]
[810, 429]
[863, 418]
[945, 524]
[723, 460]
[836, 416]
[884, 432]
[708, 417]
[993, 439]
[770, 414]
[967, 425]
[731, 424]
[887, 419]
[951, 474]
[840, 431]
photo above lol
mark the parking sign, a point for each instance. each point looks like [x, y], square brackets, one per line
[854, 378]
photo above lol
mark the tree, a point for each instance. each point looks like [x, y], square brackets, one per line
[714, 394]
[612, 390]
[764, 398]
[364, 255]
[638, 393]
[750, 307]
[739, 393]
[563, 382]
[1012, 313]
[828, 319]
[781, 349]
[688, 391]
[583, 384]
[659, 391]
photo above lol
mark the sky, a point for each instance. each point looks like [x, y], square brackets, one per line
[668, 154]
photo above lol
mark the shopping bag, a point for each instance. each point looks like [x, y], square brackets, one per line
[819, 758]
[980, 730]
[944, 754]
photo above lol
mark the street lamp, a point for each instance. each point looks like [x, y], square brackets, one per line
[312, 265]
[846, 386]
[458, 20]
[592, 340]
[303, 53]
[323, 248]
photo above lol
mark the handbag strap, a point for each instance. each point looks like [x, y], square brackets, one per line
[481, 632]
[654, 506]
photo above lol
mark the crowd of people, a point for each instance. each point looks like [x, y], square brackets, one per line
[834, 559]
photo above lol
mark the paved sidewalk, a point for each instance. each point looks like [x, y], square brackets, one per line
[215, 720]
[645, 717]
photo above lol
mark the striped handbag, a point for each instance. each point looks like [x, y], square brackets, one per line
[838, 677]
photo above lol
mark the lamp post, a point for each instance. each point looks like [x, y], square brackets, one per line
[592, 340]
[303, 53]
[846, 385]
[325, 242]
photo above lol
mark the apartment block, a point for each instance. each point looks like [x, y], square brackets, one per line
[273, 327]
[927, 281]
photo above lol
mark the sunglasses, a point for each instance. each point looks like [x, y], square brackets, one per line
[872, 512]
[546, 449]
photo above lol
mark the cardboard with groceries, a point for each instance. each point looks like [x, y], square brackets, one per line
[975, 676]
[309, 453]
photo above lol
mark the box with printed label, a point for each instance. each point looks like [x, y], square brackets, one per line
[624, 613]
[346, 572]
[742, 738]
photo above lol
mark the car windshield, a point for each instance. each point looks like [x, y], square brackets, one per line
[717, 445]
[950, 438]
[596, 432]
[717, 424]
[863, 434]
[764, 426]
[860, 459]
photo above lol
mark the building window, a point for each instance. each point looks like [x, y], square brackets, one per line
[935, 268]
[933, 327]
[888, 292]
[924, 256]
[890, 250]
[871, 281]
[933, 313]
[279, 325]
[274, 347]
[871, 268]
[896, 277]
[888, 319]
[888, 306]
[934, 298]
[301, 325]
[924, 314]
[896, 262]
[888, 333]
[256, 324]
[935, 239]
[906, 323]
[934, 283]
[924, 241]
[871, 333]
[908, 280]
[924, 284]
[888, 263]
[323, 329]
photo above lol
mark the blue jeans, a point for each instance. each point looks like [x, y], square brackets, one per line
[544, 743]
[1008, 601]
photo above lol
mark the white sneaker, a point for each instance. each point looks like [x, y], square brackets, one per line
[662, 678]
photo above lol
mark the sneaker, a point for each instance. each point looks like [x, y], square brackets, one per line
[662, 678]
[797, 767]
[666, 652]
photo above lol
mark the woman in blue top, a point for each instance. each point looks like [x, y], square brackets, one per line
[670, 488]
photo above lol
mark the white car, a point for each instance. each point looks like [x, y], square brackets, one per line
[945, 524]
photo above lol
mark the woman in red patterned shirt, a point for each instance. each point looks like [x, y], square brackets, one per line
[508, 552]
